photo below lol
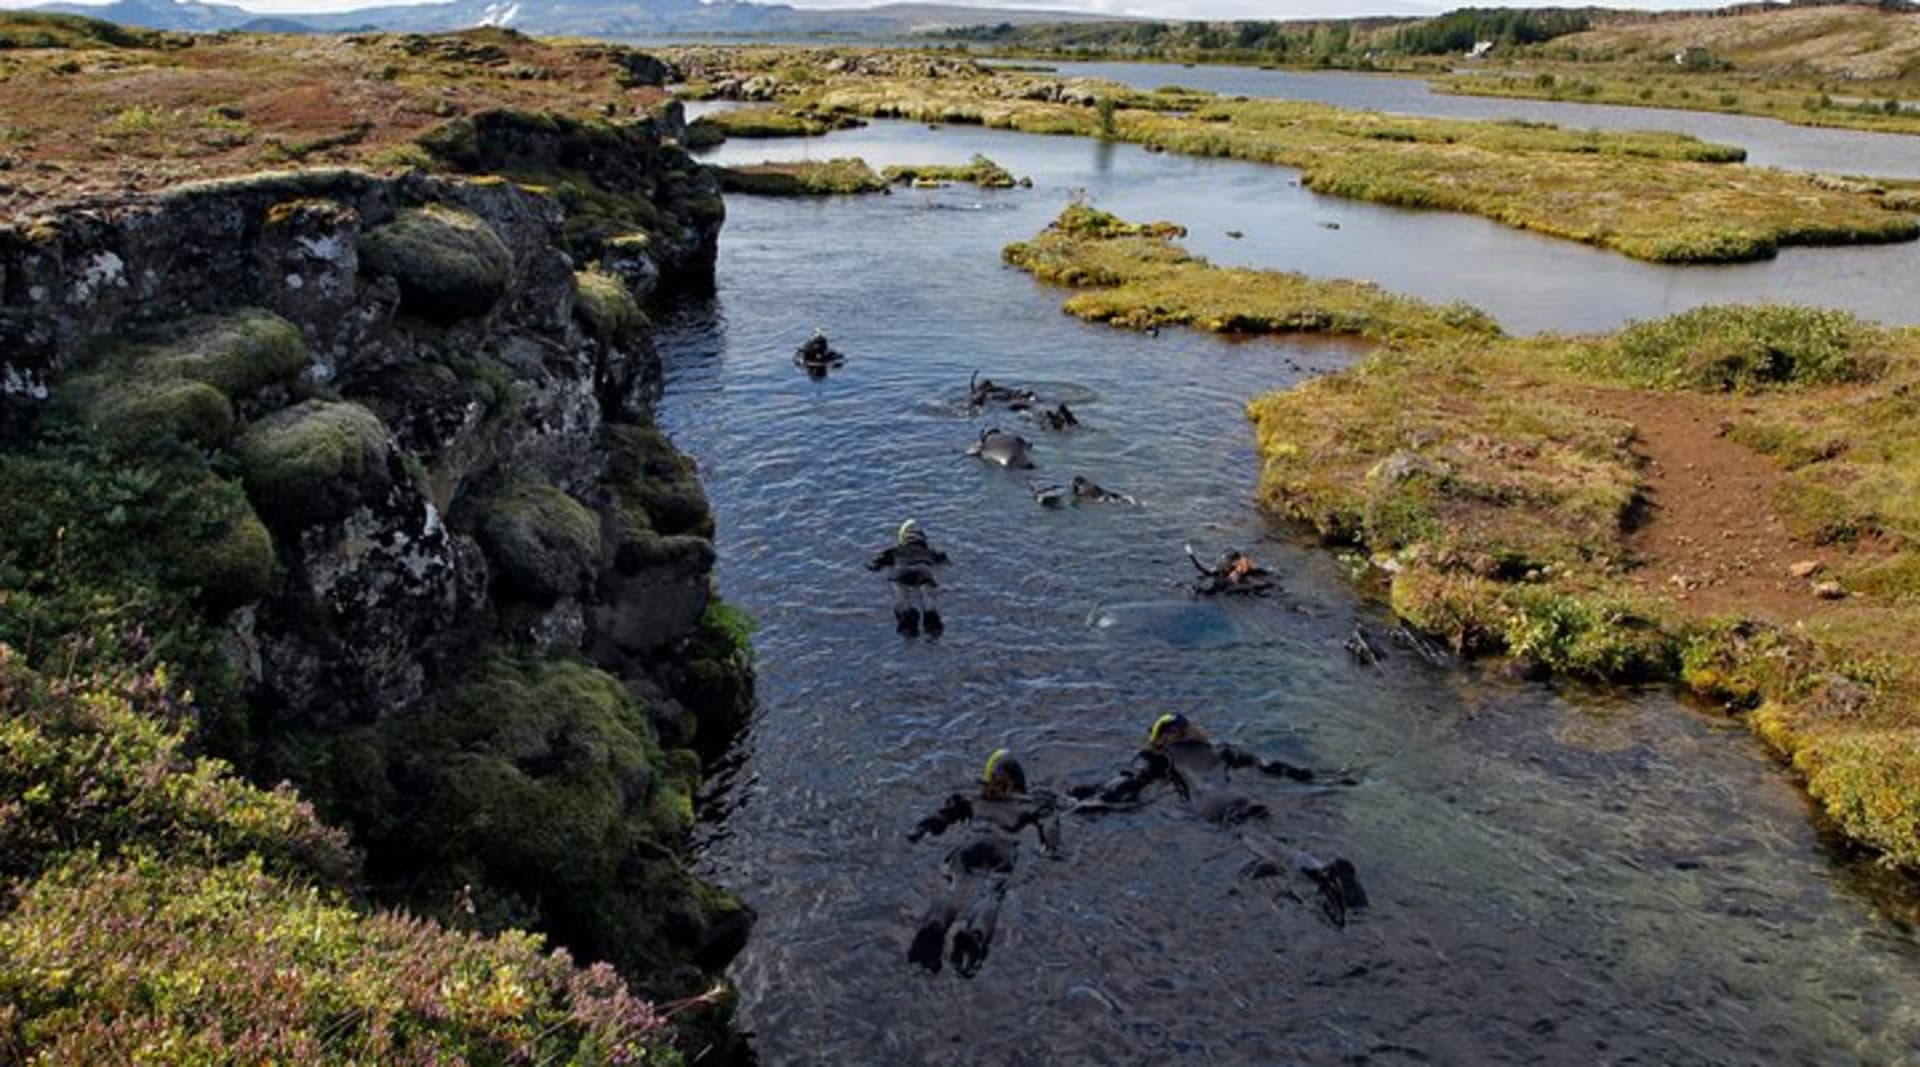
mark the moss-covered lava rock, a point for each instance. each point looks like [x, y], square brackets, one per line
[313, 461]
[542, 541]
[450, 265]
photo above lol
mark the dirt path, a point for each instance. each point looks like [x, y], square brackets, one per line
[1711, 542]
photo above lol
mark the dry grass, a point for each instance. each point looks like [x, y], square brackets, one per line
[1817, 66]
[98, 117]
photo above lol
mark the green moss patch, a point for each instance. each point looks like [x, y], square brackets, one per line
[979, 171]
[238, 354]
[132, 409]
[313, 461]
[542, 541]
[605, 304]
[1741, 349]
[1135, 277]
[450, 265]
[833, 177]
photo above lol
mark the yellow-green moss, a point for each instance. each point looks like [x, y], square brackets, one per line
[607, 306]
[833, 177]
[1137, 278]
[311, 460]
[238, 353]
[450, 265]
[132, 409]
[979, 171]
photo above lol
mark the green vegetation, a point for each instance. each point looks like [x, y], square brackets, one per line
[35, 29]
[314, 460]
[155, 901]
[1694, 89]
[529, 794]
[1461, 30]
[544, 543]
[979, 171]
[1741, 349]
[1490, 483]
[1687, 204]
[759, 122]
[607, 306]
[834, 177]
[1135, 277]
[450, 265]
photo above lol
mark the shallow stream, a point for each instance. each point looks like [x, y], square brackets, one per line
[1555, 879]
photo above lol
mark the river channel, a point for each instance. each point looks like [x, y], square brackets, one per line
[1556, 877]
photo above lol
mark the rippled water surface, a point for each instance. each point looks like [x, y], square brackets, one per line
[1769, 142]
[1554, 880]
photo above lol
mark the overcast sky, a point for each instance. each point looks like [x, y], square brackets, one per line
[1164, 9]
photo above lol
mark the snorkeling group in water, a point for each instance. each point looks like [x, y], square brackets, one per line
[1178, 754]
[958, 923]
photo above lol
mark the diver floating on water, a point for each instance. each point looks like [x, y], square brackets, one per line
[1180, 754]
[977, 872]
[912, 559]
[1233, 572]
[1081, 490]
[816, 356]
[1007, 449]
[984, 391]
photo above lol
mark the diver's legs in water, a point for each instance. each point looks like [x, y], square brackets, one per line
[931, 938]
[930, 613]
[971, 941]
[906, 616]
[1337, 881]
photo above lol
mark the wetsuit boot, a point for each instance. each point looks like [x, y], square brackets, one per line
[975, 936]
[907, 621]
[930, 618]
[931, 939]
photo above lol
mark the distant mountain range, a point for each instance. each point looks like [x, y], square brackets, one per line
[587, 18]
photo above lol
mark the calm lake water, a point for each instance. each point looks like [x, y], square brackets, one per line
[1556, 878]
[1769, 142]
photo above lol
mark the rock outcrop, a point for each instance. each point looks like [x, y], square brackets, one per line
[468, 602]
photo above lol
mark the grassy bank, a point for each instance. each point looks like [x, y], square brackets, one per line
[833, 177]
[1501, 488]
[1516, 495]
[979, 171]
[1803, 102]
[1659, 197]
[1134, 276]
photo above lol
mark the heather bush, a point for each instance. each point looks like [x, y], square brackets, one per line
[167, 961]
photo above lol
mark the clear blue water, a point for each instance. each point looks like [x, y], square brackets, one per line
[1769, 142]
[1556, 878]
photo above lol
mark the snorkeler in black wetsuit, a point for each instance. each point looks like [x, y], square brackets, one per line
[977, 872]
[1235, 572]
[816, 355]
[912, 560]
[1180, 754]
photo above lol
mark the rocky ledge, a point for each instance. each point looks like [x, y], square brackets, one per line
[459, 582]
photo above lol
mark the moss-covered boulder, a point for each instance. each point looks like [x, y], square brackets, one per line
[450, 265]
[542, 542]
[314, 461]
[131, 409]
[653, 484]
[232, 566]
[603, 303]
[537, 786]
[238, 354]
